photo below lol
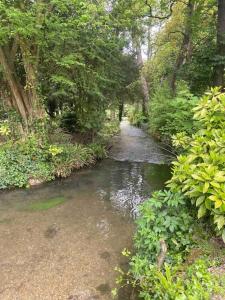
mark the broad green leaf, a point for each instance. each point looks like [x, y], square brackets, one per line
[223, 235]
[213, 198]
[206, 187]
[218, 203]
[201, 211]
[200, 200]
[219, 176]
[197, 177]
[215, 184]
[220, 222]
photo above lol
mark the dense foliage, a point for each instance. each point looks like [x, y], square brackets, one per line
[62, 66]
[169, 115]
[199, 172]
[68, 68]
[164, 217]
[36, 160]
[159, 273]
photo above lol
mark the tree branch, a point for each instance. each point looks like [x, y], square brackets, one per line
[160, 17]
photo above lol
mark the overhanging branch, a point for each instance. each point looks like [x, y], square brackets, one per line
[151, 15]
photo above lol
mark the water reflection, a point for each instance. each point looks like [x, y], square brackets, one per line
[123, 184]
[128, 184]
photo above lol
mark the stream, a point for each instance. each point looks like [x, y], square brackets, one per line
[70, 250]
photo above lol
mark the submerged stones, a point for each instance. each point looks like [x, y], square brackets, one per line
[105, 255]
[51, 231]
[103, 288]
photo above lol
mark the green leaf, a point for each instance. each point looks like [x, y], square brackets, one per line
[223, 235]
[201, 211]
[220, 222]
[215, 184]
[197, 177]
[218, 203]
[206, 187]
[219, 176]
[200, 200]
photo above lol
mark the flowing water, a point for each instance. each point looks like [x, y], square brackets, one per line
[70, 250]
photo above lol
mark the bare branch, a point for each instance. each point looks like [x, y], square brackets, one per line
[151, 15]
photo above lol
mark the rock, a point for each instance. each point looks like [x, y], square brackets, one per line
[51, 232]
[84, 295]
[35, 181]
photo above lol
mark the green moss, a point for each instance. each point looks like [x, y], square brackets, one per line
[5, 221]
[46, 204]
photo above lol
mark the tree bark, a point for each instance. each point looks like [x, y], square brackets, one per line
[186, 46]
[18, 97]
[30, 66]
[144, 84]
[219, 68]
[121, 108]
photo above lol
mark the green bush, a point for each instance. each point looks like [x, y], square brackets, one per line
[166, 217]
[21, 161]
[69, 122]
[169, 116]
[176, 283]
[109, 129]
[72, 157]
[135, 116]
[199, 173]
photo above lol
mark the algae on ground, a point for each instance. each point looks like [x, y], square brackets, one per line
[5, 221]
[46, 204]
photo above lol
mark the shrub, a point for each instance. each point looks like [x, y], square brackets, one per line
[166, 217]
[176, 283]
[108, 130]
[135, 116]
[200, 172]
[21, 161]
[72, 157]
[169, 116]
[99, 151]
[69, 122]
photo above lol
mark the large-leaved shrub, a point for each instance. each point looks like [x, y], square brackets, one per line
[199, 172]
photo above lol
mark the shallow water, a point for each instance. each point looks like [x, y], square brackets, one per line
[70, 251]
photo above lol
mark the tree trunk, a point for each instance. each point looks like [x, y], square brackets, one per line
[186, 46]
[144, 84]
[219, 68]
[121, 108]
[31, 87]
[19, 100]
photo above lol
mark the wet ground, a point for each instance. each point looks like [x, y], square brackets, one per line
[70, 250]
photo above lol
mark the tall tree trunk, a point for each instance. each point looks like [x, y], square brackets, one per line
[19, 100]
[219, 68]
[144, 84]
[186, 46]
[121, 108]
[30, 66]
